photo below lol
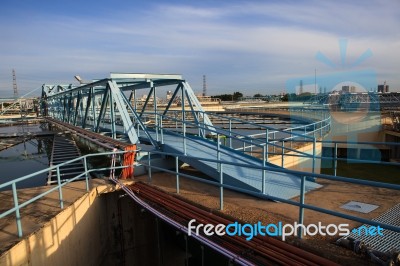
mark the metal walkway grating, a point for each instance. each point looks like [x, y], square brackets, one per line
[390, 240]
[63, 151]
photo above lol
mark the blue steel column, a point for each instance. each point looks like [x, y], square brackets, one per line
[93, 108]
[64, 101]
[155, 109]
[88, 102]
[75, 112]
[112, 116]
[102, 109]
[134, 100]
[183, 120]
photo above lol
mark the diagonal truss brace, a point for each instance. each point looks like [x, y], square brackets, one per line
[123, 112]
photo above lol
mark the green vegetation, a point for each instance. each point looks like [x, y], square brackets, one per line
[372, 172]
[229, 97]
[292, 97]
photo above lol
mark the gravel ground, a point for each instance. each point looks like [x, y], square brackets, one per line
[250, 209]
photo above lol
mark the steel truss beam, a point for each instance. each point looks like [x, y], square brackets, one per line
[102, 105]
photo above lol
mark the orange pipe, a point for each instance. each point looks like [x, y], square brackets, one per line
[129, 159]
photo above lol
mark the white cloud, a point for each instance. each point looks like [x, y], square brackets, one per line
[240, 45]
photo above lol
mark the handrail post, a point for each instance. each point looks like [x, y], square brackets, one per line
[149, 165]
[177, 174]
[230, 133]
[60, 188]
[251, 146]
[221, 188]
[314, 130]
[266, 144]
[17, 214]
[86, 173]
[320, 129]
[314, 151]
[263, 172]
[283, 153]
[301, 208]
[161, 130]
[274, 146]
[218, 150]
[335, 160]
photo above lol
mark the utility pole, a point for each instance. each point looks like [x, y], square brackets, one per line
[15, 84]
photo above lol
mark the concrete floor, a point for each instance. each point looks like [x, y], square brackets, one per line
[35, 215]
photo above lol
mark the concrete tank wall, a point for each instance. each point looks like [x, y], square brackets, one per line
[97, 229]
[62, 240]
[299, 163]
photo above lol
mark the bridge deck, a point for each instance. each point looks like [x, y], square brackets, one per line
[277, 184]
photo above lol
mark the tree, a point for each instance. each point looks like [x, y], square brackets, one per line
[257, 95]
[237, 95]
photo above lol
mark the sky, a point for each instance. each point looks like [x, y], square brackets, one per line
[247, 46]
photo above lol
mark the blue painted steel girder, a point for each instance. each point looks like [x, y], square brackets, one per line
[103, 103]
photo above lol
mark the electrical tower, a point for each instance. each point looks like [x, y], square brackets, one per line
[204, 86]
[15, 84]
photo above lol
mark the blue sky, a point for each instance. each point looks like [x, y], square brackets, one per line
[250, 46]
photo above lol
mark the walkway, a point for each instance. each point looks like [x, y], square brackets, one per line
[277, 184]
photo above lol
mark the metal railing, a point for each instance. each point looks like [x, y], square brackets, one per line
[60, 184]
[301, 175]
[240, 141]
[219, 183]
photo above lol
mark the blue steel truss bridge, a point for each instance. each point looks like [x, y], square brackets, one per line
[126, 107]
[124, 112]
